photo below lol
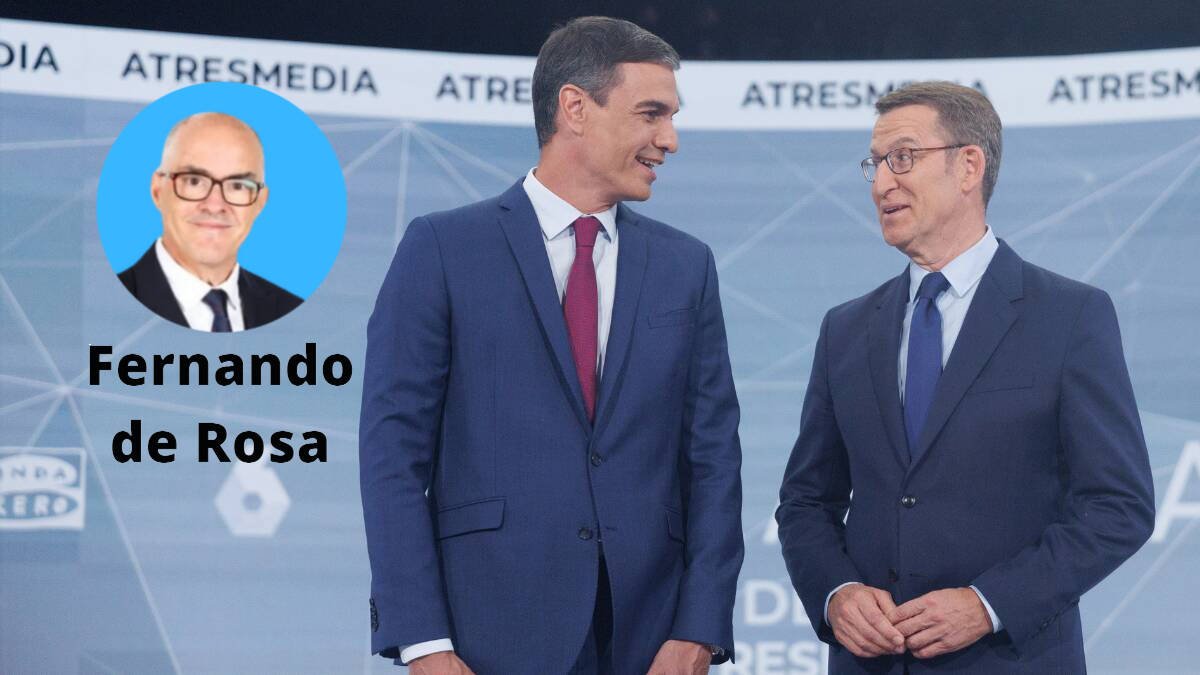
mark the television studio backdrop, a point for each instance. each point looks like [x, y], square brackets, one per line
[261, 568]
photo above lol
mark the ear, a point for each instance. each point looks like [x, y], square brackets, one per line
[155, 189]
[260, 202]
[971, 166]
[572, 108]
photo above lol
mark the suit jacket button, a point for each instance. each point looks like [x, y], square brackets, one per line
[585, 533]
[892, 575]
[908, 501]
[596, 459]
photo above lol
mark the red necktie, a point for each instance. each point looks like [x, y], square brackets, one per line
[580, 310]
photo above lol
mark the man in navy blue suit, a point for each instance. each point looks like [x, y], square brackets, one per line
[548, 441]
[970, 458]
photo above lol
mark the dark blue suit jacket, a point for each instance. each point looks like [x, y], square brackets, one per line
[1032, 480]
[485, 488]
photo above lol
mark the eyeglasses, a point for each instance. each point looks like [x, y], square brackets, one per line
[195, 187]
[899, 160]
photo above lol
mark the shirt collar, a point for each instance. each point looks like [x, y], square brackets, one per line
[964, 271]
[555, 215]
[189, 289]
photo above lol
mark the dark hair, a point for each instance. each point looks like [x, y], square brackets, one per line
[586, 52]
[964, 114]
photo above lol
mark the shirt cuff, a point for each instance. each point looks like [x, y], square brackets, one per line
[996, 625]
[829, 597]
[414, 652]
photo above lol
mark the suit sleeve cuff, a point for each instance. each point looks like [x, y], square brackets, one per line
[414, 652]
[996, 625]
[825, 612]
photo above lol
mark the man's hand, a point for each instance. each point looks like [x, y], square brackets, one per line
[680, 657]
[941, 622]
[858, 615]
[439, 663]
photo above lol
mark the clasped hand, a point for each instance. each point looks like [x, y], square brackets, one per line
[868, 622]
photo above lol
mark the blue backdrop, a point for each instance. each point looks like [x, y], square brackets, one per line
[295, 239]
[201, 568]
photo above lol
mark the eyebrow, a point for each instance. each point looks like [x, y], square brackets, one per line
[902, 142]
[655, 105]
[189, 168]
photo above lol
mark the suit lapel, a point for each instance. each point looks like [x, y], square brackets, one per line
[248, 295]
[631, 270]
[520, 225]
[988, 320]
[154, 291]
[884, 353]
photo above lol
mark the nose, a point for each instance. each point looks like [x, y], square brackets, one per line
[667, 139]
[884, 181]
[215, 201]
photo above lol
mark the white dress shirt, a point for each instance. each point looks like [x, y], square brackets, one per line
[189, 291]
[556, 217]
[964, 274]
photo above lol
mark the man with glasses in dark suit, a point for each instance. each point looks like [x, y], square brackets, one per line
[975, 419]
[209, 189]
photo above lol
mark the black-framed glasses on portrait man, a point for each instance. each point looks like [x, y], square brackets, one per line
[194, 186]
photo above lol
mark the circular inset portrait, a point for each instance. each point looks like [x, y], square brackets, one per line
[221, 207]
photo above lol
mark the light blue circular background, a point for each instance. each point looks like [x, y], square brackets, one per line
[296, 237]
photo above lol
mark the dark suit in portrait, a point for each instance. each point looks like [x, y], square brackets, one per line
[262, 301]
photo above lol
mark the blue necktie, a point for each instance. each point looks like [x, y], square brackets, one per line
[924, 357]
[216, 299]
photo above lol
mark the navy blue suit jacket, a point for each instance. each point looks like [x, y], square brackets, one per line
[485, 488]
[1032, 480]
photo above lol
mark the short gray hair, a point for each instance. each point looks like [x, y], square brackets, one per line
[209, 117]
[964, 114]
[586, 52]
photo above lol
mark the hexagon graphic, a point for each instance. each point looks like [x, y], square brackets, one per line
[252, 501]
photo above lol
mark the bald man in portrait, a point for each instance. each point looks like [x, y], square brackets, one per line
[209, 189]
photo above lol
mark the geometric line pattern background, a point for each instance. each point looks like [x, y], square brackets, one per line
[157, 582]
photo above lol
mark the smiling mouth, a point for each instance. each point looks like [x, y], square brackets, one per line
[889, 210]
[649, 163]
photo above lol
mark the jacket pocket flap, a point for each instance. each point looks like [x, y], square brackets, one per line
[675, 526]
[674, 317]
[1002, 382]
[485, 514]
